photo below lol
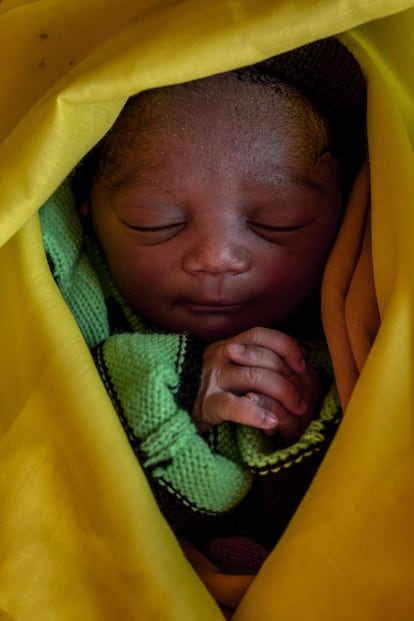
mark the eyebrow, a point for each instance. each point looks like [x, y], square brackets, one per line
[272, 179]
[284, 178]
[131, 179]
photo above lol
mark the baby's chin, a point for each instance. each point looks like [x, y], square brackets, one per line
[209, 326]
[205, 332]
[212, 336]
[212, 333]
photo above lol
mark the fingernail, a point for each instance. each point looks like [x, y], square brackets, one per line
[270, 421]
[235, 348]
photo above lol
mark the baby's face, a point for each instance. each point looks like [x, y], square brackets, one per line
[216, 209]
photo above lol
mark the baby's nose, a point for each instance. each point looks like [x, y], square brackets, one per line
[216, 252]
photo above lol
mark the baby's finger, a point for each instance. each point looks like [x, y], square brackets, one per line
[244, 379]
[268, 404]
[238, 409]
[281, 344]
[256, 356]
[290, 426]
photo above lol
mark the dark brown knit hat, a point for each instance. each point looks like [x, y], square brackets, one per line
[328, 75]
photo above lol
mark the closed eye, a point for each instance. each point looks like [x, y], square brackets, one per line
[152, 229]
[153, 235]
[278, 229]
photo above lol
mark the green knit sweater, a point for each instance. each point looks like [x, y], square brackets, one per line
[231, 477]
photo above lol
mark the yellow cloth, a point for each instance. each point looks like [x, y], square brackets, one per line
[80, 535]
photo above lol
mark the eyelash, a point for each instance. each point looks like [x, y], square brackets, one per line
[275, 229]
[160, 234]
[152, 229]
[167, 227]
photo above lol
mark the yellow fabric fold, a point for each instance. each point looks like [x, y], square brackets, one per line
[349, 306]
[81, 536]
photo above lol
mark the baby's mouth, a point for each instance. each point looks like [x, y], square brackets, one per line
[212, 305]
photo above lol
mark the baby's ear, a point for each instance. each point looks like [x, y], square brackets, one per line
[84, 210]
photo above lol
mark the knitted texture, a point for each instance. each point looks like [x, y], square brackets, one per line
[142, 375]
[70, 265]
[152, 379]
[257, 448]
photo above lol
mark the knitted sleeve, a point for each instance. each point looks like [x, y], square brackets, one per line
[142, 376]
[71, 266]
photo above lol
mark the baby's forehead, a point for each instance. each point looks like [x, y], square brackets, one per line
[218, 106]
[220, 121]
[317, 91]
[223, 93]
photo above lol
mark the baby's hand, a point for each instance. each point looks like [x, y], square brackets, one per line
[258, 378]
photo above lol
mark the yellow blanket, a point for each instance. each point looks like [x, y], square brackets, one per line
[80, 535]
